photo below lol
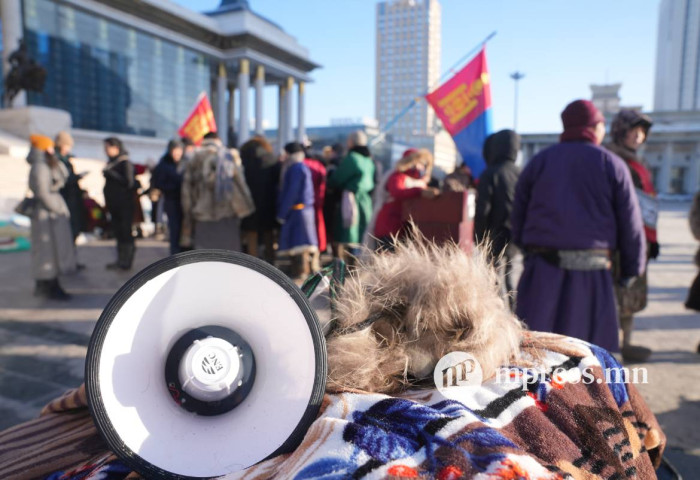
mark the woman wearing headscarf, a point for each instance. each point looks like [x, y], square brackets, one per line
[167, 178]
[574, 206]
[629, 131]
[53, 252]
[408, 180]
[120, 185]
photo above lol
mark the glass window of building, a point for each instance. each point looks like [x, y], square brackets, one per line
[110, 76]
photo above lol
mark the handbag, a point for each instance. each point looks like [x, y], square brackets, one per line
[348, 208]
[27, 206]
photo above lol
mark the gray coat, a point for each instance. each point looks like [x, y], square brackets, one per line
[53, 252]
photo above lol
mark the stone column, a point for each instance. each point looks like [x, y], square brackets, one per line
[231, 106]
[12, 33]
[221, 110]
[281, 117]
[301, 128]
[692, 182]
[289, 105]
[665, 173]
[259, 92]
[243, 92]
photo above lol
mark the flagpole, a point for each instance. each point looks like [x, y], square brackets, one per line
[390, 124]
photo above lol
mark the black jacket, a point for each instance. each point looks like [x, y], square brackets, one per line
[262, 174]
[120, 184]
[166, 178]
[496, 189]
[73, 195]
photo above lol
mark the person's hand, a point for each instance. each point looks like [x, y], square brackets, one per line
[654, 250]
[430, 192]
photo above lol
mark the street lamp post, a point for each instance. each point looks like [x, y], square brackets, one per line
[516, 76]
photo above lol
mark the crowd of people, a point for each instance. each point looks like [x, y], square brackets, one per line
[582, 214]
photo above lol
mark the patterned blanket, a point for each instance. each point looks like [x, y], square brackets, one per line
[558, 417]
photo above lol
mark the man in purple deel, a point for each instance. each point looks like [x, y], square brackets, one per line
[574, 206]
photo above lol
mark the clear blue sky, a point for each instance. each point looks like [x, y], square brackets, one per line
[561, 46]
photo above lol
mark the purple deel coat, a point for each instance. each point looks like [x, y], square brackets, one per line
[572, 196]
[298, 230]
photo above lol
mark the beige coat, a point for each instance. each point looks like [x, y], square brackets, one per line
[53, 251]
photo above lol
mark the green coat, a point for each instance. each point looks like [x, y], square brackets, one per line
[356, 174]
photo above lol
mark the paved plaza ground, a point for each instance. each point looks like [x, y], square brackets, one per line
[43, 343]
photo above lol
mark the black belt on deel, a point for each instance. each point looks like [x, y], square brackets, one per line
[580, 260]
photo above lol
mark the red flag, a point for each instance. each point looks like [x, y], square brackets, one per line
[200, 121]
[463, 97]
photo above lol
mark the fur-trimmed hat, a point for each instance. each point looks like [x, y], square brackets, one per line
[399, 313]
[625, 120]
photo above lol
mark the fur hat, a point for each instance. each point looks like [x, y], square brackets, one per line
[400, 312]
[625, 120]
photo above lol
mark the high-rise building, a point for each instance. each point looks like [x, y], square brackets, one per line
[678, 56]
[407, 66]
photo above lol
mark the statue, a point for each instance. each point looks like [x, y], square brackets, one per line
[24, 74]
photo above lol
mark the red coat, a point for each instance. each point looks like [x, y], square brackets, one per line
[400, 186]
[318, 177]
[640, 175]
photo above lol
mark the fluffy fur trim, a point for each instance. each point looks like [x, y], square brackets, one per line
[426, 301]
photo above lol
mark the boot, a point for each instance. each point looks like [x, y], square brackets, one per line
[316, 262]
[631, 353]
[57, 292]
[299, 266]
[125, 256]
[305, 264]
[128, 256]
[115, 264]
[42, 288]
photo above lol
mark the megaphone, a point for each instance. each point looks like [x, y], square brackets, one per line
[203, 364]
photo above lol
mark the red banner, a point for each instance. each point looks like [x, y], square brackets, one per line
[200, 122]
[463, 97]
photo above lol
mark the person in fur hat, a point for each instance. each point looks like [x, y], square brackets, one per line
[629, 131]
[548, 415]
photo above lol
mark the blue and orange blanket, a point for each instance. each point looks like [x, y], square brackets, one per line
[546, 422]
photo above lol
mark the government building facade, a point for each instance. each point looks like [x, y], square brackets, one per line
[135, 68]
